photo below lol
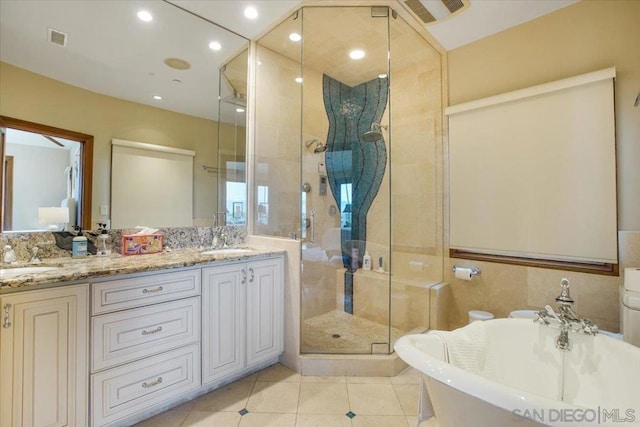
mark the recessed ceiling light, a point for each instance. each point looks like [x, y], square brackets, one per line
[295, 37]
[157, 97]
[298, 79]
[251, 12]
[239, 110]
[215, 46]
[356, 54]
[382, 76]
[145, 16]
[177, 63]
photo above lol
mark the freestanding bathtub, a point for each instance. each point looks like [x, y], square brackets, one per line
[515, 376]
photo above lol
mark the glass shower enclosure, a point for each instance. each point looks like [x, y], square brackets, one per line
[348, 160]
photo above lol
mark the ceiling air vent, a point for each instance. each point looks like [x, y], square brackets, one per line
[436, 10]
[57, 37]
[453, 5]
[420, 10]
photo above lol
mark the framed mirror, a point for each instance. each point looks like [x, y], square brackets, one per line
[120, 77]
[44, 167]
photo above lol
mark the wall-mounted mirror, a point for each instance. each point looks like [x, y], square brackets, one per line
[232, 183]
[34, 157]
[97, 68]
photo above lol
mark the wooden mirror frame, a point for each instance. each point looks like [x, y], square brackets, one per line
[86, 160]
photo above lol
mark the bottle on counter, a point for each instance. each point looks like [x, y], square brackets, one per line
[366, 261]
[102, 243]
[79, 244]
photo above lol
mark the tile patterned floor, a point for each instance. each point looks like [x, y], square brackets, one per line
[279, 397]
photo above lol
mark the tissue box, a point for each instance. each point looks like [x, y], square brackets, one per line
[140, 244]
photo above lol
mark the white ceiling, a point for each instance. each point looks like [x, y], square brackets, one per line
[481, 19]
[486, 17]
[111, 52]
[230, 13]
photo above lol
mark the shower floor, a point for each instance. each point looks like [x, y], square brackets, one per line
[340, 332]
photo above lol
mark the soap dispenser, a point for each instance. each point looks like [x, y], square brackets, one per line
[79, 244]
[103, 247]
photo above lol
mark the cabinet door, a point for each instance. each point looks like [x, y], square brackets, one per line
[43, 358]
[223, 324]
[264, 310]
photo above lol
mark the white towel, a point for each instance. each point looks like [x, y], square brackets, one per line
[466, 348]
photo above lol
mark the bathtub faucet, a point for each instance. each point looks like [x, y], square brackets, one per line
[565, 319]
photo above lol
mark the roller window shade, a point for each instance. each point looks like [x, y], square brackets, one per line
[151, 185]
[533, 172]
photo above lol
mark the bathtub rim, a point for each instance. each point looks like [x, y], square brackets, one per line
[499, 395]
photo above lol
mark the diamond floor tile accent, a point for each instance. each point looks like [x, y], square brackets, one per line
[286, 399]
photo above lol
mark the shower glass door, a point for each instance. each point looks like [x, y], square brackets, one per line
[345, 180]
[335, 86]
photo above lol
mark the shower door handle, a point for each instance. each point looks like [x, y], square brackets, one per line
[313, 227]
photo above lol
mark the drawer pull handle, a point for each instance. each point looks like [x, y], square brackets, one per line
[244, 276]
[151, 291]
[5, 322]
[153, 331]
[252, 275]
[152, 383]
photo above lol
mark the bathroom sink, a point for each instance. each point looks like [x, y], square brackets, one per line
[7, 273]
[227, 251]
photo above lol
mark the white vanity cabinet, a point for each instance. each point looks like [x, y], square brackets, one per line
[145, 343]
[242, 317]
[43, 357]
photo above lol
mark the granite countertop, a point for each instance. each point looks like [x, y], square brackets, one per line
[74, 269]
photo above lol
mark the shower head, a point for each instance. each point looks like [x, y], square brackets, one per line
[320, 147]
[375, 134]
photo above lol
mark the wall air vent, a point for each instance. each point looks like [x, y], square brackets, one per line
[57, 37]
[436, 10]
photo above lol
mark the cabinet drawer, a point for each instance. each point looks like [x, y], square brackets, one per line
[133, 334]
[119, 294]
[126, 390]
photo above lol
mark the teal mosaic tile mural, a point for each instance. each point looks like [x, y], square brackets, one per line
[350, 159]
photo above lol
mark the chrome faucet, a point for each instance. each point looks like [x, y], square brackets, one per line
[34, 256]
[9, 255]
[565, 319]
[220, 239]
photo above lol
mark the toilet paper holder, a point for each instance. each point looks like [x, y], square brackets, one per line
[475, 271]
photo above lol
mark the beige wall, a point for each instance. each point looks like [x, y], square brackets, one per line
[35, 98]
[587, 36]
[583, 37]
[276, 160]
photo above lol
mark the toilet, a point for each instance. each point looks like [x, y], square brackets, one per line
[630, 306]
[479, 315]
[523, 314]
